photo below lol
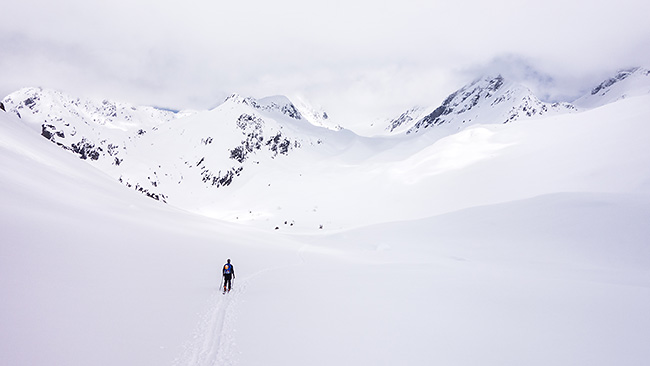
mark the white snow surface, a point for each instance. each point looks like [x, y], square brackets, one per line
[487, 100]
[626, 83]
[516, 244]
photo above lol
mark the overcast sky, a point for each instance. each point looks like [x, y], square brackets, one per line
[357, 59]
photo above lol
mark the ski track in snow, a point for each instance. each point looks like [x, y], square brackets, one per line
[213, 343]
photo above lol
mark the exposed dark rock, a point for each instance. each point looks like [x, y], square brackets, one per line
[483, 93]
[252, 142]
[47, 131]
[86, 150]
[402, 120]
[255, 140]
[112, 149]
[219, 180]
[30, 102]
[280, 145]
[291, 111]
[246, 121]
[287, 109]
[238, 153]
[622, 75]
[146, 192]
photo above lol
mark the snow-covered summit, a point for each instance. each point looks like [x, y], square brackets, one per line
[58, 105]
[296, 108]
[491, 99]
[317, 116]
[277, 103]
[406, 119]
[541, 223]
[93, 129]
[626, 83]
[188, 160]
[164, 154]
[496, 99]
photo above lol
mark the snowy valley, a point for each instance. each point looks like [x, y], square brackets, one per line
[490, 229]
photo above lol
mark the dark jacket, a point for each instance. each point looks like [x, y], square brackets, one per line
[231, 272]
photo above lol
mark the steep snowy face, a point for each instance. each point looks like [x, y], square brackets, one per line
[164, 154]
[298, 109]
[487, 100]
[626, 83]
[406, 119]
[315, 116]
[95, 130]
[268, 149]
[277, 104]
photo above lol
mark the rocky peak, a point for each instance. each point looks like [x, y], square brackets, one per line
[625, 83]
[278, 103]
[490, 99]
[405, 118]
[621, 75]
[462, 101]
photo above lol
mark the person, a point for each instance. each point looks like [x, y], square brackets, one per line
[228, 275]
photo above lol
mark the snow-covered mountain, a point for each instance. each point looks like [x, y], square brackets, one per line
[485, 100]
[161, 153]
[626, 83]
[92, 129]
[316, 116]
[278, 103]
[407, 119]
[500, 245]
[203, 161]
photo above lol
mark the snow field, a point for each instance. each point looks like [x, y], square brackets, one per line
[533, 253]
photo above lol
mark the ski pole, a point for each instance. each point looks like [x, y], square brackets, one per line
[221, 283]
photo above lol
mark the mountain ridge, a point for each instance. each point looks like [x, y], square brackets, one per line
[510, 101]
[626, 83]
[490, 99]
[197, 160]
[142, 146]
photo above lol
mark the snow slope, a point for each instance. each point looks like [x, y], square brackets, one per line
[626, 83]
[504, 244]
[240, 161]
[96, 274]
[487, 100]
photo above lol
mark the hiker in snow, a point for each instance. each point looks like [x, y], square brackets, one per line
[228, 275]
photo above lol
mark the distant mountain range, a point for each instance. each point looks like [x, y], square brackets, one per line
[151, 149]
[486, 100]
[181, 157]
[494, 99]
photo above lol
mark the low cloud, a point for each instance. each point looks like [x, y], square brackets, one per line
[358, 60]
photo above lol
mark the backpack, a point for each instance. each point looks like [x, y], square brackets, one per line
[227, 268]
